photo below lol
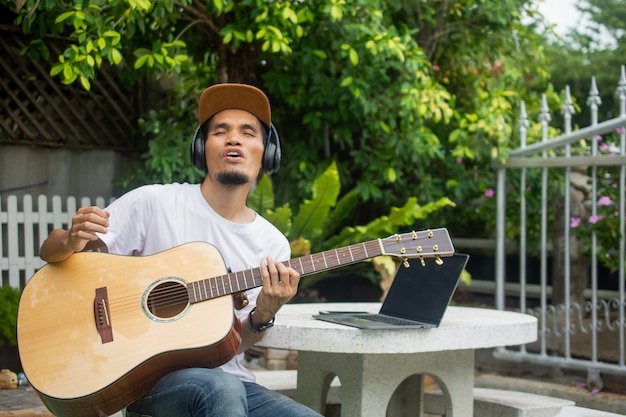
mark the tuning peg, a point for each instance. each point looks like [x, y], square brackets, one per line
[422, 261]
[405, 262]
[438, 260]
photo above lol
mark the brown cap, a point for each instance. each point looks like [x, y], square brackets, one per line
[220, 97]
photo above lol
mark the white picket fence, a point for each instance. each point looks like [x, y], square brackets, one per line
[23, 228]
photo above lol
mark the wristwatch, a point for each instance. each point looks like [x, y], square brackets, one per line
[262, 327]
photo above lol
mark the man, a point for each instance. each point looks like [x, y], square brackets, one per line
[234, 143]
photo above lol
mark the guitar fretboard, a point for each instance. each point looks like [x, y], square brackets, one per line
[234, 282]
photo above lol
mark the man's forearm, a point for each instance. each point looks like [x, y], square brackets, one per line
[57, 247]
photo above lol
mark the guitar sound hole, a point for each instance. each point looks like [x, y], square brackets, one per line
[168, 299]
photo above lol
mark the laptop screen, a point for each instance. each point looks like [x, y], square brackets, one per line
[423, 293]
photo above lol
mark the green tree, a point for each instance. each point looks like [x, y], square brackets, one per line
[593, 49]
[410, 98]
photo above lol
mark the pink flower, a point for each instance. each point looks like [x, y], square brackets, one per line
[598, 137]
[489, 192]
[618, 130]
[574, 222]
[604, 147]
[595, 219]
[605, 201]
[459, 160]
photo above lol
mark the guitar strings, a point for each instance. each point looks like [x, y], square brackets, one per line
[174, 293]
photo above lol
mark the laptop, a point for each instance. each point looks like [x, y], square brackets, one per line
[418, 297]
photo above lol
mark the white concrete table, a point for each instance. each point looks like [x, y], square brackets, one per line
[372, 364]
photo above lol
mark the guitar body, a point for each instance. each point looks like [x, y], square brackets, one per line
[93, 335]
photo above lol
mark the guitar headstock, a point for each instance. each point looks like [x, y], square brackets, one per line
[435, 243]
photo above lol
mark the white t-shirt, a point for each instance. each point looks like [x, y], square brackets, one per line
[155, 218]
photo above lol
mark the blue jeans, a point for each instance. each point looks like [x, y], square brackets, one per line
[200, 392]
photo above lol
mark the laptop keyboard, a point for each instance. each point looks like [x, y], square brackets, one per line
[390, 320]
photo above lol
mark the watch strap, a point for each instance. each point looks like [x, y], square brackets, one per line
[262, 327]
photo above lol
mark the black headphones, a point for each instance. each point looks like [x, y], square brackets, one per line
[271, 154]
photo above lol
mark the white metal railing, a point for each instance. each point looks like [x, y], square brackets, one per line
[24, 225]
[585, 328]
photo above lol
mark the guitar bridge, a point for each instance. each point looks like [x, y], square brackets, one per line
[102, 315]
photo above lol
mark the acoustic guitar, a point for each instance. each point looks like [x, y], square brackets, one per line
[96, 331]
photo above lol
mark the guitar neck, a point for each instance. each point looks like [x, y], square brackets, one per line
[234, 282]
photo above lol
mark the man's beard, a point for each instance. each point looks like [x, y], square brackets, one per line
[232, 178]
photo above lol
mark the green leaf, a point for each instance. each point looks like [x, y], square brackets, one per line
[354, 57]
[281, 218]
[68, 72]
[56, 69]
[141, 61]
[113, 35]
[289, 14]
[142, 51]
[347, 81]
[313, 213]
[335, 12]
[344, 209]
[262, 198]
[116, 56]
[84, 81]
[63, 16]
